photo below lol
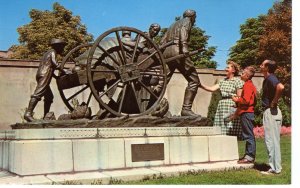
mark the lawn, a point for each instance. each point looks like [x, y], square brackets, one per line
[248, 176]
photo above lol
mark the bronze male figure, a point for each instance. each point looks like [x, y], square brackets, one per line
[179, 33]
[152, 32]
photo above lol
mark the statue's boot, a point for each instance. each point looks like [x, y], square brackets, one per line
[28, 116]
[47, 106]
[189, 97]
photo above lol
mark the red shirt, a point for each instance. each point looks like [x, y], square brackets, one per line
[247, 101]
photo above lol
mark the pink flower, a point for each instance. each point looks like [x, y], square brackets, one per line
[285, 130]
[260, 133]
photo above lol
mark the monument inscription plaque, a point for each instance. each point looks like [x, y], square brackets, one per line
[147, 152]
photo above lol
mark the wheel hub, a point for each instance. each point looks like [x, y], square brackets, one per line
[129, 72]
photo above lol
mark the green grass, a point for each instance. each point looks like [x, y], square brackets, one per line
[248, 176]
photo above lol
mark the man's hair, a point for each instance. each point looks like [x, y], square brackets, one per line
[250, 71]
[155, 25]
[189, 13]
[271, 65]
[235, 66]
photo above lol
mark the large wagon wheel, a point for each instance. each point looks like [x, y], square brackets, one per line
[71, 91]
[138, 68]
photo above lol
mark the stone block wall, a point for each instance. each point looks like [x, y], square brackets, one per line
[17, 83]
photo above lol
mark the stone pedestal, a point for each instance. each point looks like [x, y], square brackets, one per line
[62, 150]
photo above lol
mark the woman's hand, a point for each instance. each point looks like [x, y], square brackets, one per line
[209, 88]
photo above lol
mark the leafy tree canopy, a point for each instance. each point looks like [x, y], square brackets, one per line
[268, 37]
[198, 39]
[59, 23]
[244, 52]
[275, 43]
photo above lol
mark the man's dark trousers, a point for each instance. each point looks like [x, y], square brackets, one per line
[247, 121]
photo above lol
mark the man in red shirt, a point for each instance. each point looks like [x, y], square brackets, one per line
[245, 109]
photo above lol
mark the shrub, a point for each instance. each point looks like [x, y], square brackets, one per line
[212, 108]
[259, 132]
[285, 110]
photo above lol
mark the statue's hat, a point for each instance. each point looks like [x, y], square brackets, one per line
[57, 41]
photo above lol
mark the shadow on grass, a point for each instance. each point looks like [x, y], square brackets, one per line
[261, 166]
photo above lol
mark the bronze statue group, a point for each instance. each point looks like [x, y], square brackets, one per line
[235, 111]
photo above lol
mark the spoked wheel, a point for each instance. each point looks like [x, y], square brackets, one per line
[73, 88]
[135, 71]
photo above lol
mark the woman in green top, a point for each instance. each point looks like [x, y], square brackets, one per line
[229, 86]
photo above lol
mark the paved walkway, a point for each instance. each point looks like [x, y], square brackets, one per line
[117, 176]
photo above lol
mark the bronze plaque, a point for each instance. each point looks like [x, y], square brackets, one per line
[147, 152]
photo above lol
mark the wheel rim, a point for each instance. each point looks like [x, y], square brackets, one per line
[131, 68]
[81, 93]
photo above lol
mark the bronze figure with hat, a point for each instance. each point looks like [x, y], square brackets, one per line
[44, 75]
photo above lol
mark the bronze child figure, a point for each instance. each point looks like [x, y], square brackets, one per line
[44, 75]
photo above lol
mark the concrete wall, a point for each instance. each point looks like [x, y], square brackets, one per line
[5, 53]
[17, 83]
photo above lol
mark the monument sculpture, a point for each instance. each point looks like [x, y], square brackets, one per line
[127, 76]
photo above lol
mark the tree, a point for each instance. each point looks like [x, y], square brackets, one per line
[244, 52]
[60, 23]
[276, 42]
[268, 37]
[198, 40]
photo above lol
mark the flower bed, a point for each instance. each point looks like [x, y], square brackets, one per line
[259, 131]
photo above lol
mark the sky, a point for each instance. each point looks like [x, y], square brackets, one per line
[220, 19]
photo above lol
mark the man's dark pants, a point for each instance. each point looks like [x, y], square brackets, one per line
[247, 121]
